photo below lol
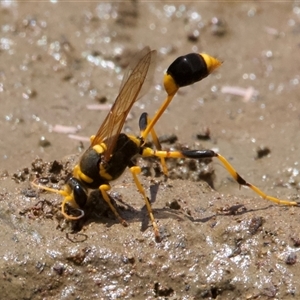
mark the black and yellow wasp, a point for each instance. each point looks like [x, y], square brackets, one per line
[111, 151]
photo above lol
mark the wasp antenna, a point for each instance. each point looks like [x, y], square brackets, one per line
[43, 187]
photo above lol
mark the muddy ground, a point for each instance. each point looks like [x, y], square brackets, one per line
[218, 241]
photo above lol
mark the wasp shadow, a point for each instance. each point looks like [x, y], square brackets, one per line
[97, 210]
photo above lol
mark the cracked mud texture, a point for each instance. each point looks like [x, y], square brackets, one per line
[217, 243]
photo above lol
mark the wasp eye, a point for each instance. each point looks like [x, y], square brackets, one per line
[79, 192]
[80, 196]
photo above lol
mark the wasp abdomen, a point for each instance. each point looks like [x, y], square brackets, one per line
[188, 69]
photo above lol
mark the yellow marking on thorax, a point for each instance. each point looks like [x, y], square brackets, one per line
[100, 148]
[136, 140]
[77, 173]
[103, 174]
[92, 137]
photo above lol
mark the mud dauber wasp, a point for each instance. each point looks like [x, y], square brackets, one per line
[111, 151]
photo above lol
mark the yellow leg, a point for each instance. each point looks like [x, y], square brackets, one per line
[144, 121]
[198, 154]
[135, 171]
[242, 181]
[68, 198]
[158, 147]
[103, 189]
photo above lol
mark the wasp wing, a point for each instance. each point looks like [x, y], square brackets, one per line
[128, 95]
[149, 78]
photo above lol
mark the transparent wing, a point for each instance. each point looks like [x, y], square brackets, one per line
[149, 78]
[131, 86]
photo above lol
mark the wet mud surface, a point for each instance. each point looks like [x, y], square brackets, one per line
[58, 60]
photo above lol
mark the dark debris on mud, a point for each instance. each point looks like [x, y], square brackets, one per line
[211, 247]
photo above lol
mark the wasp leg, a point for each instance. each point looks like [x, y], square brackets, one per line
[135, 170]
[197, 154]
[103, 189]
[143, 123]
[242, 181]
[68, 198]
